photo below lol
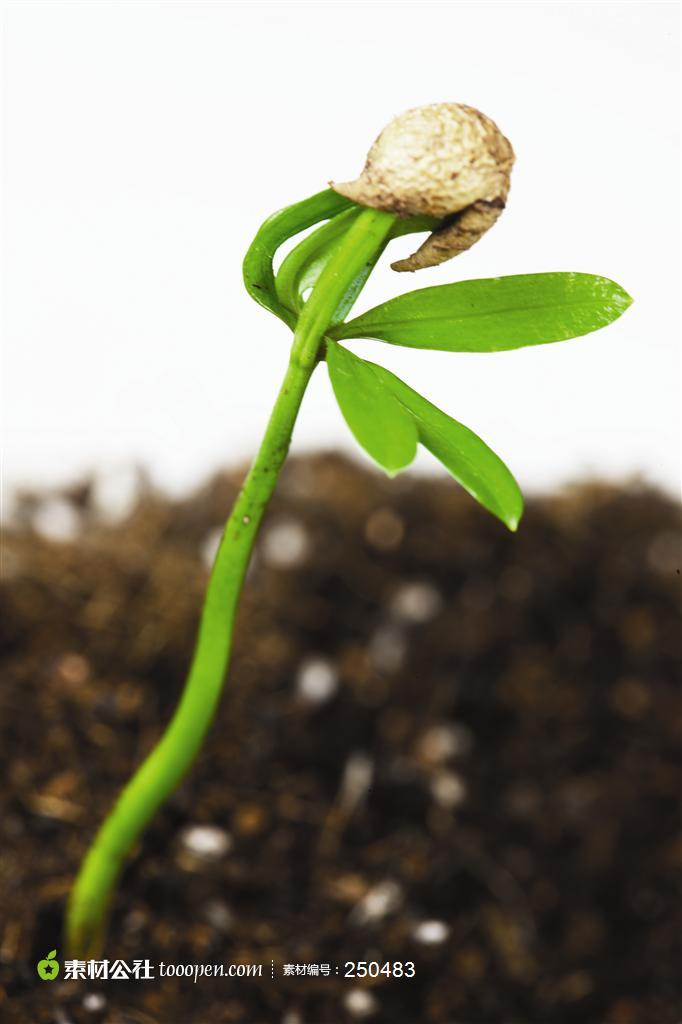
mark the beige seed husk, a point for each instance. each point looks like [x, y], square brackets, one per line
[445, 160]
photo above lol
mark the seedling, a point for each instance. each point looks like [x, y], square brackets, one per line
[444, 168]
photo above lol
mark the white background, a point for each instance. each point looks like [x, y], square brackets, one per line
[143, 143]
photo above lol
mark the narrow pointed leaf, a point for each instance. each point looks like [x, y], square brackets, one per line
[494, 314]
[468, 458]
[380, 423]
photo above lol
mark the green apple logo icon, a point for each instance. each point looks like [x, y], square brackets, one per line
[48, 969]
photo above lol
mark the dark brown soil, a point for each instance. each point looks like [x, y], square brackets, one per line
[495, 752]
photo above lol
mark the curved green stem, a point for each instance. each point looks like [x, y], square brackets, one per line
[304, 264]
[259, 278]
[171, 758]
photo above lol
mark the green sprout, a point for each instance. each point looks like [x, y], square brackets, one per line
[445, 169]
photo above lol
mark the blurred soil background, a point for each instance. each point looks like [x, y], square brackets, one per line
[439, 742]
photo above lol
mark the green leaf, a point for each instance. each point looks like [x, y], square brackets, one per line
[493, 314]
[259, 277]
[463, 453]
[375, 402]
[380, 423]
